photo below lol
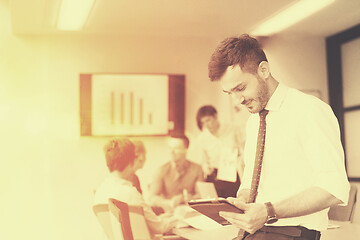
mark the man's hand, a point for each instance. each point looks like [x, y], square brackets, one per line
[254, 217]
[177, 200]
[207, 170]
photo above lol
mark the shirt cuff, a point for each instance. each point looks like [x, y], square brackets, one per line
[336, 185]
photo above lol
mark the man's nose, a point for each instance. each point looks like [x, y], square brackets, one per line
[237, 98]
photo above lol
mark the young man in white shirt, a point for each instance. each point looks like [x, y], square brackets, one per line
[303, 171]
[219, 148]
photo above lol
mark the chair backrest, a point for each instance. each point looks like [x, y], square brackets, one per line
[138, 223]
[344, 213]
[103, 216]
[120, 220]
[133, 223]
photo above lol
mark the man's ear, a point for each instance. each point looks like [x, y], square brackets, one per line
[264, 70]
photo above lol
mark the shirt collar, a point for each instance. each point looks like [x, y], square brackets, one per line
[181, 169]
[277, 98]
[116, 176]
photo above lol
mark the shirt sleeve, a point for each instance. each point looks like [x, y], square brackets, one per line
[194, 151]
[157, 187]
[249, 153]
[157, 191]
[199, 174]
[322, 144]
[155, 223]
[239, 140]
[197, 153]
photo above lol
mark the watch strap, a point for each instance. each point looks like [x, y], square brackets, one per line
[272, 217]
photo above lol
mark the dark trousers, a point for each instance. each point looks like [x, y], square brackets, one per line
[224, 188]
[283, 233]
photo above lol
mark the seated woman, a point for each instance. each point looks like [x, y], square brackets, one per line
[120, 156]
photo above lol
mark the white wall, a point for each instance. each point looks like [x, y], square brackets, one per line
[299, 62]
[24, 173]
[48, 172]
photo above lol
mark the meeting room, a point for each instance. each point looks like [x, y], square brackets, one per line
[155, 120]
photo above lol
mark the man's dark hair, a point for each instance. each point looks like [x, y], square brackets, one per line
[119, 153]
[207, 110]
[183, 138]
[244, 51]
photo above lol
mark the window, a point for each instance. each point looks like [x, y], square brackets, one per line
[343, 61]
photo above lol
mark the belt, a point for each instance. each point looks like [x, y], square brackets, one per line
[293, 231]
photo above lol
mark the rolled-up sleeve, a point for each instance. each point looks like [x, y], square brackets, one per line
[155, 223]
[322, 145]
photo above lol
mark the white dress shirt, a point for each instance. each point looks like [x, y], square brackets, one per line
[209, 150]
[302, 150]
[120, 189]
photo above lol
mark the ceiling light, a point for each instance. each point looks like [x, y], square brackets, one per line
[289, 16]
[74, 14]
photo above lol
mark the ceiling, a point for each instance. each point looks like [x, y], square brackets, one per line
[206, 18]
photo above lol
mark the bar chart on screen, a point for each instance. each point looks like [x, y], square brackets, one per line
[129, 104]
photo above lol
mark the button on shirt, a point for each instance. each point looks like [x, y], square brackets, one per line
[302, 150]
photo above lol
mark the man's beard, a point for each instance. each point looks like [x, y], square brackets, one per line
[262, 96]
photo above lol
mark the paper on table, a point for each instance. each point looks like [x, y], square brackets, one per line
[332, 226]
[191, 217]
[202, 222]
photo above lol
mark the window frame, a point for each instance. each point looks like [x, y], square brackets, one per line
[335, 78]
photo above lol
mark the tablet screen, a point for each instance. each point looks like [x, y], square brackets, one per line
[212, 207]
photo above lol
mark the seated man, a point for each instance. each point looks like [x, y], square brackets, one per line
[120, 156]
[175, 182]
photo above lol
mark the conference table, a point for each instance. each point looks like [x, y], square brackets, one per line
[345, 231]
[337, 231]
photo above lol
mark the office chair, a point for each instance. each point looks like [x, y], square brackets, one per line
[132, 221]
[102, 214]
[344, 213]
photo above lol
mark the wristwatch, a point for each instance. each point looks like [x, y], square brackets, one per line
[271, 218]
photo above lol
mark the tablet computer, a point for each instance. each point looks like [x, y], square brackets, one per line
[212, 207]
